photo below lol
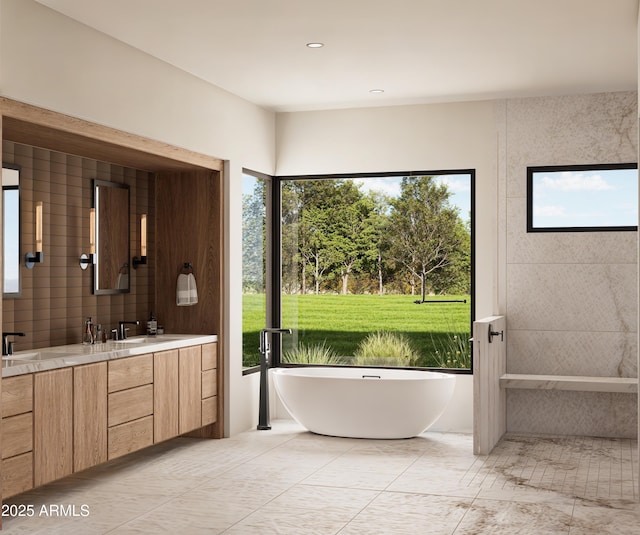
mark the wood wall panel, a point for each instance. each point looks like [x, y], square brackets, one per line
[188, 219]
[57, 295]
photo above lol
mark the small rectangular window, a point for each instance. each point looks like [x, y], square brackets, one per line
[579, 198]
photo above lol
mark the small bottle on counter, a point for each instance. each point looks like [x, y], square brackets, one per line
[87, 332]
[104, 336]
[98, 336]
[152, 325]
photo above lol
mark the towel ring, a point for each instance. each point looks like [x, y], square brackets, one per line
[187, 268]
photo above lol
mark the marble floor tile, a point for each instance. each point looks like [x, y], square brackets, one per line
[509, 518]
[403, 513]
[605, 517]
[290, 481]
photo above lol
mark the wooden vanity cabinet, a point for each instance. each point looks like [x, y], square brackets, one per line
[89, 415]
[165, 399]
[189, 389]
[17, 435]
[209, 400]
[130, 405]
[185, 390]
[53, 425]
[65, 420]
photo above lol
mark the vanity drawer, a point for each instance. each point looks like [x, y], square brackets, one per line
[209, 356]
[209, 410]
[17, 435]
[132, 436]
[209, 383]
[131, 404]
[130, 372]
[17, 395]
[17, 474]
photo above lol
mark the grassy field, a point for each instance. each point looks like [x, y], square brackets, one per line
[342, 321]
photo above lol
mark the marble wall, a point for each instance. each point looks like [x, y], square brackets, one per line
[570, 298]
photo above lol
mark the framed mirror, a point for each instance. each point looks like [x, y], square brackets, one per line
[11, 230]
[112, 263]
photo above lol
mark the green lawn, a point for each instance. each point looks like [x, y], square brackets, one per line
[342, 321]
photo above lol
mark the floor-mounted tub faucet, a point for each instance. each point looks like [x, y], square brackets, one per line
[7, 346]
[265, 350]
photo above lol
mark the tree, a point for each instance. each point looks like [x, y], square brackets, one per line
[253, 238]
[376, 259]
[349, 236]
[308, 207]
[425, 228]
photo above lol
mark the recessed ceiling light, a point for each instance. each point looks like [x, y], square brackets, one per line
[376, 90]
[315, 45]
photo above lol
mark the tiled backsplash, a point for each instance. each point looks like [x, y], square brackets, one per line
[57, 294]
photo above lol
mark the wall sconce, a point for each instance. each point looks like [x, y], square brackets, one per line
[91, 259]
[142, 261]
[31, 259]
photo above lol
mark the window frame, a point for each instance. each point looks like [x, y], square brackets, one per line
[274, 304]
[531, 170]
[271, 206]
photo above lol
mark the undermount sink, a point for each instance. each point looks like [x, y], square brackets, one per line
[141, 340]
[8, 361]
[39, 355]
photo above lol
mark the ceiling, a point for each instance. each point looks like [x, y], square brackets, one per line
[417, 51]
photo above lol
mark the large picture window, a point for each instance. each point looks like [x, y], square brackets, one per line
[376, 269]
[582, 198]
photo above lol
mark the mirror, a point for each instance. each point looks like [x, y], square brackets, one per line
[11, 226]
[111, 269]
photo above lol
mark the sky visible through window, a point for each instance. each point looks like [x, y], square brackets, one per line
[583, 198]
[459, 186]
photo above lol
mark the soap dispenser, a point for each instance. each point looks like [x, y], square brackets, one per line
[87, 332]
[152, 325]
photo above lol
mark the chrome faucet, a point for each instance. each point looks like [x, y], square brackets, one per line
[7, 347]
[122, 331]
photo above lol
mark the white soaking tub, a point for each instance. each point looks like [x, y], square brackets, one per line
[364, 402]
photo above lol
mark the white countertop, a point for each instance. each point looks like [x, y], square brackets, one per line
[50, 358]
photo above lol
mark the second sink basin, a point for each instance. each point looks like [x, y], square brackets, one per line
[141, 340]
[37, 355]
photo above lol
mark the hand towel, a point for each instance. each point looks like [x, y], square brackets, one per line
[123, 281]
[186, 290]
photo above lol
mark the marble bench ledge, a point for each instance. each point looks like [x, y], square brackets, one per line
[570, 382]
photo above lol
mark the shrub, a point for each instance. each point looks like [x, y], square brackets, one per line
[311, 354]
[453, 352]
[383, 348]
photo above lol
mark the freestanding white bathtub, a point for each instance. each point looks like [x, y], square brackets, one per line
[364, 402]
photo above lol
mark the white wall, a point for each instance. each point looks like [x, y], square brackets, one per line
[404, 138]
[409, 138]
[51, 61]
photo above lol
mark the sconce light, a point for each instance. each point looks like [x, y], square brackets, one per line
[142, 261]
[91, 259]
[31, 259]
